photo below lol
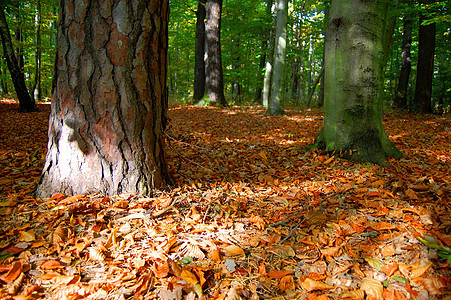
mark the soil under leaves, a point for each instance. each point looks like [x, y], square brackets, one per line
[252, 215]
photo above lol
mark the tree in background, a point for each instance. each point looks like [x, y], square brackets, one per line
[26, 103]
[425, 66]
[280, 48]
[213, 72]
[354, 79]
[406, 63]
[109, 107]
[199, 66]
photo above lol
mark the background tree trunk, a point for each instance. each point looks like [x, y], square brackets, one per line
[199, 65]
[403, 82]
[36, 91]
[354, 78]
[110, 105]
[214, 75]
[26, 103]
[280, 47]
[425, 68]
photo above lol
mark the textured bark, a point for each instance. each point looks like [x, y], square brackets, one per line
[109, 107]
[199, 65]
[406, 63]
[354, 78]
[26, 103]
[280, 47]
[425, 68]
[214, 75]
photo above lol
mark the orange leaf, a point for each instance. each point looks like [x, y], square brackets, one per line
[13, 273]
[51, 265]
[189, 277]
[383, 226]
[353, 295]
[390, 269]
[287, 283]
[313, 285]
[233, 250]
[27, 236]
[372, 287]
[66, 279]
[161, 269]
[57, 197]
[278, 274]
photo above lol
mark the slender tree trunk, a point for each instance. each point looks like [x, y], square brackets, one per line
[3, 84]
[321, 87]
[214, 75]
[425, 68]
[280, 47]
[313, 88]
[264, 49]
[403, 82]
[26, 103]
[354, 80]
[268, 76]
[199, 64]
[36, 92]
[236, 85]
[109, 108]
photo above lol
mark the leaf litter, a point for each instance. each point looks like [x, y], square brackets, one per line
[252, 215]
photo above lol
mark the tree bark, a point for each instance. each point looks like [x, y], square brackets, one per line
[109, 108]
[280, 47]
[26, 103]
[214, 75]
[354, 78]
[425, 68]
[406, 62]
[199, 65]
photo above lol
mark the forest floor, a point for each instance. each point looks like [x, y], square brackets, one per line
[251, 215]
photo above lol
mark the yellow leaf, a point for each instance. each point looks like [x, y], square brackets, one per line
[353, 295]
[329, 160]
[287, 283]
[189, 277]
[263, 155]
[419, 269]
[233, 250]
[27, 236]
[373, 288]
[278, 274]
[312, 285]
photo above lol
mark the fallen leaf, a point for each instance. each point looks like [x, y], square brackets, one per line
[313, 285]
[287, 283]
[189, 277]
[13, 273]
[51, 265]
[373, 288]
[233, 250]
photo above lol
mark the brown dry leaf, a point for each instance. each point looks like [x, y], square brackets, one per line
[278, 274]
[51, 265]
[432, 284]
[313, 285]
[233, 250]
[14, 286]
[353, 295]
[257, 221]
[411, 194]
[95, 253]
[192, 251]
[214, 253]
[373, 288]
[161, 268]
[383, 226]
[70, 200]
[27, 236]
[59, 235]
[66, 279]
[189, 277]
[13, 273]
[331, 251]
[419, 187]
[419, 268]
[389, 269]
[287, 283]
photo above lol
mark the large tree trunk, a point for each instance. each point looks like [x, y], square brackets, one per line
[26, 103]
[354, 78]
[199, 65]
[214, 75]
[109, 109]
[403, 81]
[280, 48]
[425, 68]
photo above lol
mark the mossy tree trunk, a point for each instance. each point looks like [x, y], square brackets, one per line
[354, 79]
[109, 107]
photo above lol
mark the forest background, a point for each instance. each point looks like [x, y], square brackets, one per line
[246, 32]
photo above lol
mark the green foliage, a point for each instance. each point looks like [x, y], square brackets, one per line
[21, 18]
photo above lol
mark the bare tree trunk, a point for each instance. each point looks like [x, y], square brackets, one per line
[109, 108]
[403, 82]
[280, 47]
[26, 103]
[199, 64]
[425, 68]
[36, 91]
[214, 75]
